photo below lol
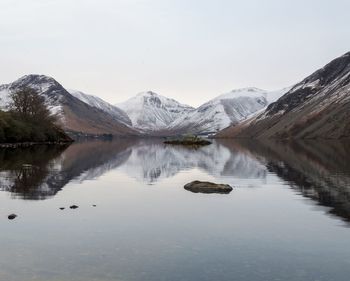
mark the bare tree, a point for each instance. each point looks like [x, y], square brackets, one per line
[29, 105]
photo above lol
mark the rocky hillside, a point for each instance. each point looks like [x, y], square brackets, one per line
[75, 115]
[317, 107]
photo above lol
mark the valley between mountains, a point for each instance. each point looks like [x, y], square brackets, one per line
[317, 107]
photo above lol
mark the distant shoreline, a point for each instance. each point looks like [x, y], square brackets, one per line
[29, 144]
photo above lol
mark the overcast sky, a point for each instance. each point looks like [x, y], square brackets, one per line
[185, 49]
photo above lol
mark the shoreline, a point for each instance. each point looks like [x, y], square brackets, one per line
[29, 144]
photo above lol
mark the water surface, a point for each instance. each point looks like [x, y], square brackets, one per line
[287, 218]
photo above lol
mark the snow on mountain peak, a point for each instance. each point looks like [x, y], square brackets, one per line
[150, 111]
[225, 110]
[42, 84]
[243, 92]
[247, 90]
[147, 93]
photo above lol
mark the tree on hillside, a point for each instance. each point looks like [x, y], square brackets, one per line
[28, 105]
[29, 120]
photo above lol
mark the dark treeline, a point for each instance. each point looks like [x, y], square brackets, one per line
[29, 120]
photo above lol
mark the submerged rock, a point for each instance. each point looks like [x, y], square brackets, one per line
[12, 216]
[74, 207]
[208, 187]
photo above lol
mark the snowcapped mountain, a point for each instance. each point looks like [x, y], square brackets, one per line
[150, 112]
[224, 110]
[157, 115]
[99, 103]
[76, 116]
[147, 113]
[317, 107]
[45, 86]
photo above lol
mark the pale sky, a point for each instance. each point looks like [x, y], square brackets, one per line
[189, 50]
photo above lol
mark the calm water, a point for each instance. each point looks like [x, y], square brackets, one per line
[288, 217]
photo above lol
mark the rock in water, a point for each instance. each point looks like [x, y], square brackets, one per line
[12, 216]
[74, 207]
[208, 187]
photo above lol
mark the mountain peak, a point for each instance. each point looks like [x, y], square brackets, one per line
[250, 92]
[35, 79]
[40, 83]
[150, 111]
[247, 89]
[148, 93]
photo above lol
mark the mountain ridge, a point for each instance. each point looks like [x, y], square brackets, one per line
[76, 116]
[157, 115]
[316, 107]
[99, 103]
[147, 113]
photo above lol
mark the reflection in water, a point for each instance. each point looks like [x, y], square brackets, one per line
[40, 172]
[152, 161]
[138, 232]
[318, 171]
[147, 161]
[28, 172]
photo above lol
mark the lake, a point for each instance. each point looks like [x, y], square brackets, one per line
[287, 217]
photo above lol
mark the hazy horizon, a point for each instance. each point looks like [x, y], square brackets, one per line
[191, 51]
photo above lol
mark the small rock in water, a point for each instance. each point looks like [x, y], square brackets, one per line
[62, 208]
[208, 187]
[74, 207]
[12, 216]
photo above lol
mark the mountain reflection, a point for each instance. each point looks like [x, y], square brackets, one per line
[152, 161]
[317, 170]
[39, 172]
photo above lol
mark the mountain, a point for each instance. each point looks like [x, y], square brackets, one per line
[317, 107]
[76, 116]
[224, 110]
[99, 103]
[147, 113]
[150, 112]
[154, 114]
[44, 85]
